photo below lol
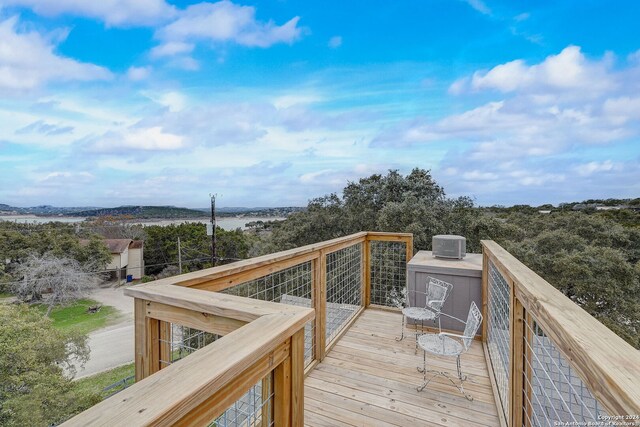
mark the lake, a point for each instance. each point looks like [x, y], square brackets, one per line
[227, 223]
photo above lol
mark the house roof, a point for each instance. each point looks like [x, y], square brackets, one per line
[136, 244]
[117, 246]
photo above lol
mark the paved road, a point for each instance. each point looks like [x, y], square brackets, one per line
[113, 345]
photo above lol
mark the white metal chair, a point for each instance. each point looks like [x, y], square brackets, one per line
[450, 345]
[436, 293]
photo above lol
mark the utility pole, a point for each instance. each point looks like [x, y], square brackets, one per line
[214, 255]
[179, 256]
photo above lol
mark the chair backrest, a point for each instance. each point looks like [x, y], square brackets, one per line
[474, 320]
[437, 293]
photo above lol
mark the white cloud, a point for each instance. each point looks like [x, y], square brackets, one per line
[569, 70]
[590, 168]
[173, 100]
[145, 139]
[27, 60]
[459, 86]
[138, 73]
[296, 99]
[623, 109]
[222, 22]
[335, 42]
[112, 12]
[479, 5]
[65, 177]
[171, 48]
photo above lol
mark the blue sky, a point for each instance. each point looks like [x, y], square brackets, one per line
[271, 103]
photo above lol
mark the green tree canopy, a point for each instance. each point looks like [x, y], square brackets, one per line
[34, 390]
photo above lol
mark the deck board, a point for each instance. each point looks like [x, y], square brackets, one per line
[370, 379]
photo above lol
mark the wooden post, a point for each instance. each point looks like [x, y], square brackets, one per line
[366, 261]
[516, 360]
[409, 248]
[320, 285]
[140, 338]
[282, 394]
[528, 370]
[165, 344]
[485, 295]
[297, 378]
[147, 333]
[267, 409]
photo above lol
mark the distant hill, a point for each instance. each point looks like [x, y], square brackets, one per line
[257, 211]
[42, 210]
[143, 212]
[149, 212]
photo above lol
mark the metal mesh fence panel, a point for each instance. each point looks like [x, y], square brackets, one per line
[553, 393]
[292, 286]
[253, 409]
[182, 341]
[344, 288]
[498, 338]
[388, 273]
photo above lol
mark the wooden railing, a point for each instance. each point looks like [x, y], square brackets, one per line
[271, 319]
[551, 361]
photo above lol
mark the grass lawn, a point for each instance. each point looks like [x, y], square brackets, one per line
[5, 295]
[94, 384]
[76, 317]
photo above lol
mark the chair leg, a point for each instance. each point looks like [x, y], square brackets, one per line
[460, 376]
[416, 325]
[402, 331]
[434, 373]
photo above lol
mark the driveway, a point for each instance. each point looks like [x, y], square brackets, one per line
[112, 346]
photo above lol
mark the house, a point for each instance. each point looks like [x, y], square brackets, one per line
[127, 258]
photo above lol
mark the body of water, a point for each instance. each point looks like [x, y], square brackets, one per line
[227, 223]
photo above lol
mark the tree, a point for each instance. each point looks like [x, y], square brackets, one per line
[19, 241]
[414, 203]
[117, 227]
[161, 246]
[65, 280]
[34, 390]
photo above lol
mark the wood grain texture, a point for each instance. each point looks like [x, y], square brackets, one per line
[139, 315]
[174, 392]
[193, 319]
[516, 361]
[231, 306]
[282, 394]
[297, 378]
[485, 295]
[229, 394]
[370, 379]
[608, 365]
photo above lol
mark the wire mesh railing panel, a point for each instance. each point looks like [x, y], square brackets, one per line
[181, 341]
[293, 286]
[344, 288]
[498, 338]
[388, 269]
[553, 394]
[253, 409]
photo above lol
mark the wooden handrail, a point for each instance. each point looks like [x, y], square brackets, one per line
[259, 337]
[171, 394]
[607, 364]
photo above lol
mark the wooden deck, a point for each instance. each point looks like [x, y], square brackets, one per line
[369, 379]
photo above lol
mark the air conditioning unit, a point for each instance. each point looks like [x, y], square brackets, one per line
[449, 246]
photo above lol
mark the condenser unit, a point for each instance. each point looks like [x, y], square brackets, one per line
[449, 246]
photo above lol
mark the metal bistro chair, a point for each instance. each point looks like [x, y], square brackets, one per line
[450, 345]
[436, 293]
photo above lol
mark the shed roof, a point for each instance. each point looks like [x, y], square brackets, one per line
[117, 246]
